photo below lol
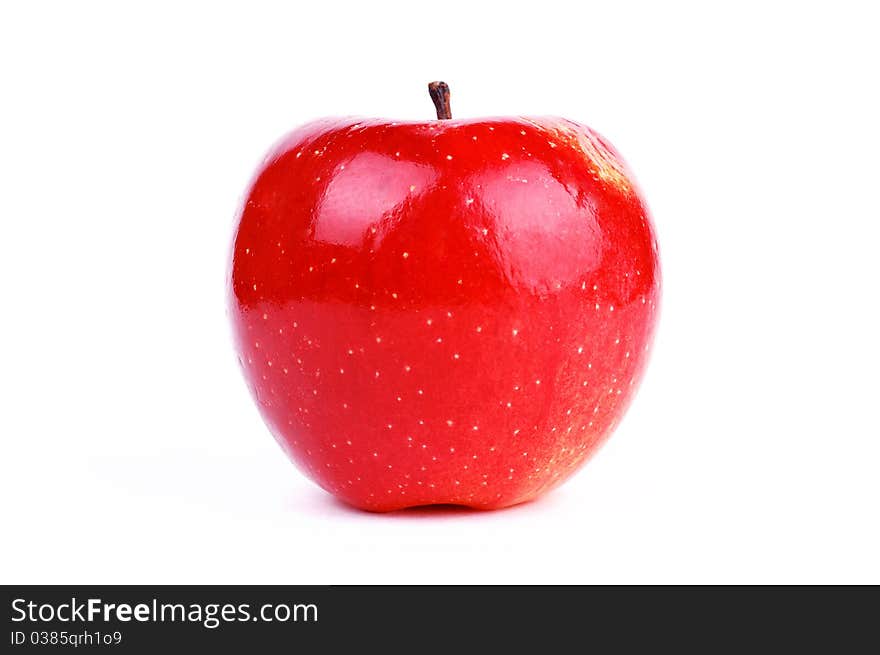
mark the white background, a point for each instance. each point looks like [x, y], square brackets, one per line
[131, 451]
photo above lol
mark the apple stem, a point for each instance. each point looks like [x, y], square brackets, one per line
[440, 95]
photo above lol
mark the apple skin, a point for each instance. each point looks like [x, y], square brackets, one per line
[442, 312]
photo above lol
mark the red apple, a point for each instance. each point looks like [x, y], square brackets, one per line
[443, 311]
